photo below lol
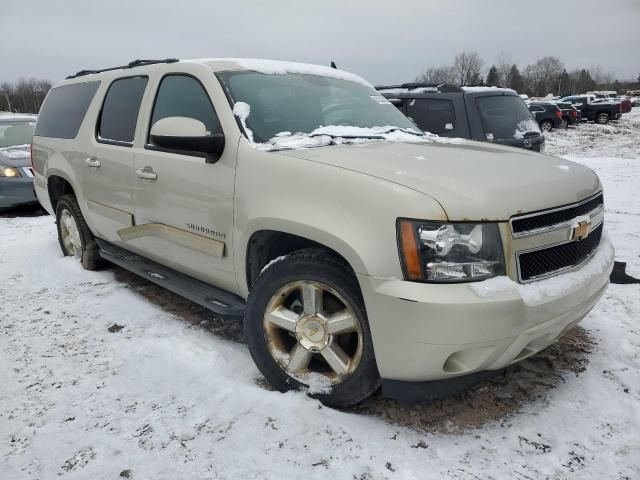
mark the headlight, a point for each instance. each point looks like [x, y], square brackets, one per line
[450, 252]
[9, 172]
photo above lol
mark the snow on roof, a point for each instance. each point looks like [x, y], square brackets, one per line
[487, 89]
[399, 90]
[10, 116]
[277, 67]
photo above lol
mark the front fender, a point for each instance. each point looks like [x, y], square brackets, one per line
[352, 213]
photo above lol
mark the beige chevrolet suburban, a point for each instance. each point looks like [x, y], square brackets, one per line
[359, 250]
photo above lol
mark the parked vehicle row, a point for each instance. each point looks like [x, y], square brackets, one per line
[297, 196]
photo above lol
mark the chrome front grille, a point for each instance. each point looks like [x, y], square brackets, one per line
[561, 217]
[545, 262]
[557, 240]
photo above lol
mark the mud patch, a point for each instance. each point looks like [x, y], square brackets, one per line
[493, 400]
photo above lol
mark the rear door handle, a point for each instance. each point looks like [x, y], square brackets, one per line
[92, 162]
[146, 173]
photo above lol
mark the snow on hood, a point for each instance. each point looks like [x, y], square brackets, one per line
[15, 156]
[471, 180]
[342, 135]
[525, 126]
[277, 67]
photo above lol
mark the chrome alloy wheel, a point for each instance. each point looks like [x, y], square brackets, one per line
[70, 234]
[311, 329]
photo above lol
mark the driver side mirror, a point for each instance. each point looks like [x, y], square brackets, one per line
[187, 136]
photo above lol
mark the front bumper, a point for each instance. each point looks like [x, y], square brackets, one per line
[16, 192]
[424, 332]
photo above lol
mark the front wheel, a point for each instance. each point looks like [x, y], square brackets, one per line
[602, 118]
[546, 125]
[306, 326]
[74, 235]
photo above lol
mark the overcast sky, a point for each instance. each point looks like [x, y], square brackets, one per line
[384, 41]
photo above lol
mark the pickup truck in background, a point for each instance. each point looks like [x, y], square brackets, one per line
[594, 109]
[486, 114]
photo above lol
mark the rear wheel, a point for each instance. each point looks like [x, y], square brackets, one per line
[306, 327]
[546, 125]
[565, 122]
[602, 118]
[74, 235]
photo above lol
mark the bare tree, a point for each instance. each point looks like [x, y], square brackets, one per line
[543, 77]
[6, 91]
[443, 74]
[467, 67]
[25, 96]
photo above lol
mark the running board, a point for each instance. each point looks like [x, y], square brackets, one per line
[212, 298]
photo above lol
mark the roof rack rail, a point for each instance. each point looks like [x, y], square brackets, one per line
[441, 87]
[132, 64]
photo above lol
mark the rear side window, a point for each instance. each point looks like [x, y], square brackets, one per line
[64, 109]
[120, 110]
[432, 115]
[184, 96]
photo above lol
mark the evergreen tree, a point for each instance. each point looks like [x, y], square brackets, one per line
[493, 79]
[585, 82]
[564, 88]
[515, 79]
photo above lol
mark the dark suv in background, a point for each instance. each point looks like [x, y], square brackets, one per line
[548, 115]
[486, 114]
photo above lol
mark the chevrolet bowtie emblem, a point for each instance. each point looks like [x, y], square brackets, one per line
[582, 230]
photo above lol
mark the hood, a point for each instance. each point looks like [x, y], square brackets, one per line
[471, 180]
[16, 156]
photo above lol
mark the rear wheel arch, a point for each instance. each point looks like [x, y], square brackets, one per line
[58, 186]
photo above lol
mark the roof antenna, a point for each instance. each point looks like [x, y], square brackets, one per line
[333, 65]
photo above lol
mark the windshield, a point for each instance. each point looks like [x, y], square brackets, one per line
[505, 117]
[16, 133]
[277, 105]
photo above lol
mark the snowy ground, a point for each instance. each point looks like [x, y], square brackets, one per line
[103, 375]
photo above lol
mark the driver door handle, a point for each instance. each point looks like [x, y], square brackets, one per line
[146, 173]
[92, 162]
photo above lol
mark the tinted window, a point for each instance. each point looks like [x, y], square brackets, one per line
[64, 109]
[183, 96]
[435, 116]
[120, 109]
[505, 117]
[535, 108]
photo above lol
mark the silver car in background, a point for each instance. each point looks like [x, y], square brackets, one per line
[16, 176]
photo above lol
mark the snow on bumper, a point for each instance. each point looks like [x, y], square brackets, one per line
[428, 332]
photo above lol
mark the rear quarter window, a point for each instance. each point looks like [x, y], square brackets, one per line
[120, 110]
[433, 115]
[64, 110]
